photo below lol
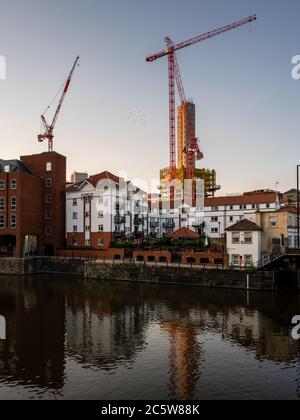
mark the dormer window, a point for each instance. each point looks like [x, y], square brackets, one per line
[7, 168]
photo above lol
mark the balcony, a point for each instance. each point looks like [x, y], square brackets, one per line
[198, 224]
[119, 220]
[169, 225]
[119, 234]
[154, 224]
[137, 222]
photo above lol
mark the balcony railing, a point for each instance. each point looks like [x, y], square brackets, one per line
[119, 220]
[154, 224]
[138, 222]
[169, 225]
[119, 234]
[198, 224]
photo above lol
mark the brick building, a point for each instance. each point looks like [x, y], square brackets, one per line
[32, 205]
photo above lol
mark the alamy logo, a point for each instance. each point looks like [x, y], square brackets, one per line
[296, 329]
[2, 67]
[2, 328]
[296, 69]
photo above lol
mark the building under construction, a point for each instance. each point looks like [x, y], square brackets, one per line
[186, 122]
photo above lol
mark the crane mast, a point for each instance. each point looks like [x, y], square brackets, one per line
[49, 127]
[193, 151]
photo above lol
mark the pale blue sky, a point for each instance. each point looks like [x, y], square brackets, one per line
[247, 102]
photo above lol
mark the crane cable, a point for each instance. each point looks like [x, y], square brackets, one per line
[55, 97]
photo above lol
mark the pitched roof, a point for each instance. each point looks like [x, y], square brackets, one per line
[288, 209]
[249, 198]
[244, 225]
[15, 166]
[184, 233]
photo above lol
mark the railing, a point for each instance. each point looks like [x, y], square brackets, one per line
[119, 234]
[154, 224]
[169, 225]
[119, 220]
[138, 222]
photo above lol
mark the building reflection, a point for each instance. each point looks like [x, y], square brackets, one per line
[105, 326]
[33, 351]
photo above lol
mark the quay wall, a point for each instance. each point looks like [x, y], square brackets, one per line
[137, 272]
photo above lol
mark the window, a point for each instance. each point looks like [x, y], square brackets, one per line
[75, 202]
[214, 219]
[231, 207]
[87, 214]
[74, 242]
[87, 242]
[248, 238]
[268, 206]
[48, 199]
[7, 168]
[48, 166]
[235, 238]
[75, 228]
[87, 228]
[13, 184]
[235, 260]
[48, 215]
[117, 206]
[248, 260]
[100, 242]
[13, 221]
[215, 208]
[254, 206]
[231, 219]
[48, 230]
[2, 185]
[100, 228]
[100, 214]
[273, 222]
[48, 182]
[2, 203]
[214, 230]
[75, 215]
[2, 222]
[13, 203]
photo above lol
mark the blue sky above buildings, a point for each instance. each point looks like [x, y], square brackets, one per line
[116, 114]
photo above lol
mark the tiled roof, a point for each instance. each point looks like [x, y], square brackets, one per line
[268, 198]
[288, 209]
[184, 233]
[15, 166]
[244, 225]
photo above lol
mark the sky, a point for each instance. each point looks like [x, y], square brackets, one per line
[115, 116]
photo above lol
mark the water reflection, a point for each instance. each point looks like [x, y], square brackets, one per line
[166, 342]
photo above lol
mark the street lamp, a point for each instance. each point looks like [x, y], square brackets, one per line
[298, 209]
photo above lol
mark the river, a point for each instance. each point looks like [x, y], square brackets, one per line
[64, 338]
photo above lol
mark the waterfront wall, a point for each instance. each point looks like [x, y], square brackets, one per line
[137, 272]
[41, 265]
[177, 275]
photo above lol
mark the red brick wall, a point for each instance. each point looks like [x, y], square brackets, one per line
[108, 254]
[155, 254]
[198, 256]
[28, 210]
[58, 206]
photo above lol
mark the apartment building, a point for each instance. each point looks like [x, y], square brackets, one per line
[104, 209]
[218, 213]
[32, 205]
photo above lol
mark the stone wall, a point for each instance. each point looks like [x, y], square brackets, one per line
[177, 275]
[41, 265]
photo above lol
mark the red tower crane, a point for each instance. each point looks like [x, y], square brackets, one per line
[48, 134]
[193, 150]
